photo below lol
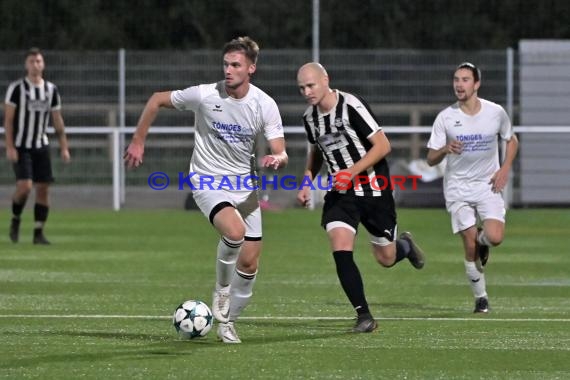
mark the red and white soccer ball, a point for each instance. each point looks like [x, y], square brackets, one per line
[192, 319]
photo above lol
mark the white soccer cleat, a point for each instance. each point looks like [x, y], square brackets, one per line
[221, 304]
[227, 333]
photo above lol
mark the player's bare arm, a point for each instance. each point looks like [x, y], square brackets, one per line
[314, 162]
[60, 131]
[135, 151]
[501, 177]
[312, 168]
[278, 157]
[11, 151]
[434, 157]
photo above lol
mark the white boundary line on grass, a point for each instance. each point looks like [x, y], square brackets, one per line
[277, 318]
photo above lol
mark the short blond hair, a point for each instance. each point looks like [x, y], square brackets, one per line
[244, 44]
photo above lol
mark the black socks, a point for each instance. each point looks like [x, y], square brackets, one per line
[351, 280]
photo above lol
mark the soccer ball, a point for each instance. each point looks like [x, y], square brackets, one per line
[192, 319]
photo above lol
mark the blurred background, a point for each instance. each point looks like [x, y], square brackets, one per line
[107, 58]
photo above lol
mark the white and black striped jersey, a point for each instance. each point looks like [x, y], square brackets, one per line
[34, 105]
[342, 136]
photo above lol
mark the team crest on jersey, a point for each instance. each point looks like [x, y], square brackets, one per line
[338, 122]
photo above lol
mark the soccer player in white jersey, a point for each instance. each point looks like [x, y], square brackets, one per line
[344, 133]
[467, 134]
[229, 115]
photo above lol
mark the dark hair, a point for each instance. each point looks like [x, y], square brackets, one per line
[474, 69]
[244, 44]
[33, 51]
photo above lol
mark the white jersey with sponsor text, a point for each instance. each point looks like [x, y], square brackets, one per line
[467, 175]
[226, 127]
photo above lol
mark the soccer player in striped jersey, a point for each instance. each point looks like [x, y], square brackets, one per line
[29, 103]
[344, 133]
[229, 114]
[467, 135]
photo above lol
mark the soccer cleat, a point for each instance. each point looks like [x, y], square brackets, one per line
[39, 238]
[15, 230]
[227, 333]
[481, 305]
[221, 304]
[416, 255]
[365, 323]
[482, 250]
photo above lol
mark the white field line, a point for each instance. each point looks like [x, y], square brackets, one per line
[278, 318]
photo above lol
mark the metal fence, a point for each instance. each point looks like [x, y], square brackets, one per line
[405, 87]
[105, 89]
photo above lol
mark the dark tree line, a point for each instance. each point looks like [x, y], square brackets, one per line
[357, 24]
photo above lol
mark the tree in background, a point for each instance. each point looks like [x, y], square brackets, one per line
[360, 24]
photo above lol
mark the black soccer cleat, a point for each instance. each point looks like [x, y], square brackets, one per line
[15, 230]
[416, 255]
[481, 305]
[365, 323]
[39, 238]
[482, 250]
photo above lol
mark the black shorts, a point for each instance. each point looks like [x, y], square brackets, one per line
[34, 164]
[377, 214]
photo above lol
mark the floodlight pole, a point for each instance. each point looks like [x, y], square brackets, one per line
[316, 21]
[316, 53]
[510, 82]
[122, 122]
[508, 190]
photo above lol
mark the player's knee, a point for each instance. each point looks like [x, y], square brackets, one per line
[493, 236]
[24, 189]
[42, 191]
[495, 239]
[247, 266]
[385, 262]
[235, 234]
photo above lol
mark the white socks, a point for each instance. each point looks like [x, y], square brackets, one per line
[241, 292]
[476, 279]
[227, 275]
[228, 251]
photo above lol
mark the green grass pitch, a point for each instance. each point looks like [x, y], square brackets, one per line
[97, 304]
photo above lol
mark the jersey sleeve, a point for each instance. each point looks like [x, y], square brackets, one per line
[187, 99]
[506, 128]
[55, 100]
[13, 94]
[272, 124]
[361, 118]
[438, 138]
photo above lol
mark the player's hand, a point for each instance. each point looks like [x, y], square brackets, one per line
[304, 196]
[65, 156]
[12, 154]
[455, 147]
[134, 155]
[342, 180]
[499, 180]
[270, 161]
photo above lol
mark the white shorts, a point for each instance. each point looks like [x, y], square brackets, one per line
[466, 214]
[245, 202]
